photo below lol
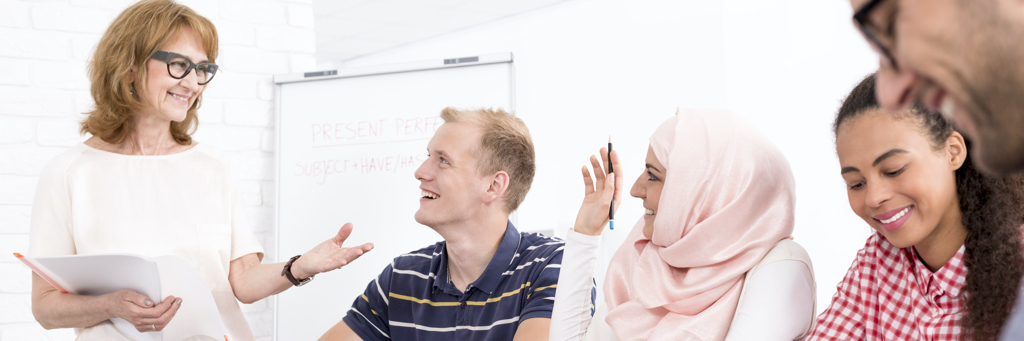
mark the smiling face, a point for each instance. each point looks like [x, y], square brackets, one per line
[452, 188]
[978, 91]
[896, 181]
[648, 188]
[168, 99]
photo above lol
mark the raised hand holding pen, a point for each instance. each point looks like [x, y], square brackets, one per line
[599, 191]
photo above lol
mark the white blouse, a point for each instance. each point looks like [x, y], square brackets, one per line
[186, 204]
[777, 302]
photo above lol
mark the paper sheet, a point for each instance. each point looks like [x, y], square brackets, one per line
[198, 318]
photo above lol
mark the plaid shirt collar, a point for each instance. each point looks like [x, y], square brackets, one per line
[948, 280]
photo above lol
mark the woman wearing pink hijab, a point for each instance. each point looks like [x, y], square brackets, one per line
[712, 257]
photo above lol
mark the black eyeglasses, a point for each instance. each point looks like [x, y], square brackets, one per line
[863, 21]
[178, 66]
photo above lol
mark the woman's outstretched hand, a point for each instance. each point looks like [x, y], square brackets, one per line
[329, 255]
[598, 193]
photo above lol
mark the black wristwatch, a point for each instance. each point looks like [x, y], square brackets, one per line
[287, 273]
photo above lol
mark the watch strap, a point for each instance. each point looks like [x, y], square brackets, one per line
[287, 273]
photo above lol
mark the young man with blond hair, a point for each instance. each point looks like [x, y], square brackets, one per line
[485, 280]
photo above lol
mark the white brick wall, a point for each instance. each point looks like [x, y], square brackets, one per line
[44, 49]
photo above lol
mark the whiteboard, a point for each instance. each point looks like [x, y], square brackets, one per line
[348, 144]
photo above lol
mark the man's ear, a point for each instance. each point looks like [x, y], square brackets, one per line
[497, 187]
[956, 149]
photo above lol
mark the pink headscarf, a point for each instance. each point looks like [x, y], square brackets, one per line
[727, 199]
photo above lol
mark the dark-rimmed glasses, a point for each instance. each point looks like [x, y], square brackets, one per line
[178, 66]
[863, 21]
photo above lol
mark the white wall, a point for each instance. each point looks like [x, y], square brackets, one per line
[44, 48]
[588, 69]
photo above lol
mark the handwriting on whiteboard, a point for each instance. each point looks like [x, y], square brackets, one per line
[335, 134]
[320, 170]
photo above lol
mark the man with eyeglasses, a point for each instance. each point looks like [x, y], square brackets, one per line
[963, 59]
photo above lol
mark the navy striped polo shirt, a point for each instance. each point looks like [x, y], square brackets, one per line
[412, 299]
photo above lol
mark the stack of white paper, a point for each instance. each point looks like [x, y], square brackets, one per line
[197, 320]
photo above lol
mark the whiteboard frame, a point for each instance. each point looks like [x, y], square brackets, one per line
[493, 58]
[279, 80]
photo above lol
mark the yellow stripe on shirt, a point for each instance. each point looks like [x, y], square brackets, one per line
[542, 288]
[476, 303]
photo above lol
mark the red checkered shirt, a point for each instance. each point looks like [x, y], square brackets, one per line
[889, 294]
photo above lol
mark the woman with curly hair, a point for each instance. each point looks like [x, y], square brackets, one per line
[945, 261]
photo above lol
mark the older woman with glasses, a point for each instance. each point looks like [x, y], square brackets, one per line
[141, 185]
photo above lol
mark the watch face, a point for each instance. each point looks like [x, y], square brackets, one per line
[304, 281]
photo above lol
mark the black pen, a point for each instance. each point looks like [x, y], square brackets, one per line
[611, 209]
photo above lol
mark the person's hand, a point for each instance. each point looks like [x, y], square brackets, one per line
[329, 255]
[598, 194]
[139, 310]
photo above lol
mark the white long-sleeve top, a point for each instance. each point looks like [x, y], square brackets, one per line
[777, 301]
